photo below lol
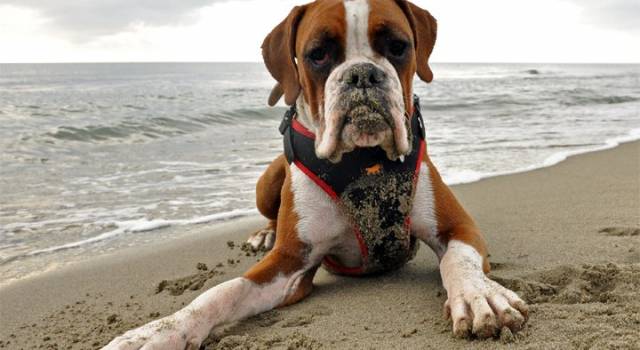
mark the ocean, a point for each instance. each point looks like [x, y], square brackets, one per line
[98, 157]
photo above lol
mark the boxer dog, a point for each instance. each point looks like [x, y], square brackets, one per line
[347, 67]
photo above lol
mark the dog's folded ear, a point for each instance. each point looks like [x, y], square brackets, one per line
[278, 51]
[425, 29]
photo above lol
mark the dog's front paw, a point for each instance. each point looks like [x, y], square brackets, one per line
[169, 333]
[483, 307]
[262, 239]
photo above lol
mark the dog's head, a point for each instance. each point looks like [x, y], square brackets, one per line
[349, 66]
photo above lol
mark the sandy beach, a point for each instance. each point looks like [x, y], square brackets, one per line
[566, 238]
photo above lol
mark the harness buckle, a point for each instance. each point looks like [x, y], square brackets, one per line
[285, 130]
[287, 119]
[418, 114]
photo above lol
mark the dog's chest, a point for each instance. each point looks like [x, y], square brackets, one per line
[373, 202]
[378, 206]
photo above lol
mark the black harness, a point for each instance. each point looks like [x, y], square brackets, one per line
[375, 192]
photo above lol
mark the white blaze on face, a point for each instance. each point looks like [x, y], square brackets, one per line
[358, 50]
[357, 13]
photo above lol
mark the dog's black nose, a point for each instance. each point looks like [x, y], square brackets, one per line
[363, 75]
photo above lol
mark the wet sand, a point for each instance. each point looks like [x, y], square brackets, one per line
[566, 238]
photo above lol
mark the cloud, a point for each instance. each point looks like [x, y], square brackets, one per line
[82, 21]
[620, 15]
[85, 20]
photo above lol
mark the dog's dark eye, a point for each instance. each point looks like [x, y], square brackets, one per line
[318, 56]
[397, 48]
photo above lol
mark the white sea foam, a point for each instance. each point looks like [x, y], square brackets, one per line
[143, 225]
[464, 176]
[556, 158]
[470, 176]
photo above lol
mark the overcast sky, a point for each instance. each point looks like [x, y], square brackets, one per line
[232, 30]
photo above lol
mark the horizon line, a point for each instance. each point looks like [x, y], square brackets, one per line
[260, 62]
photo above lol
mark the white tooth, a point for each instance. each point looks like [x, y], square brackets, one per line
[401, 159]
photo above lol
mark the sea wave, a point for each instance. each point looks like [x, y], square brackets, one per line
[136, 226]
[152, 128]
[594, 99]
[241, 115]
[158, 127]
[563, 98]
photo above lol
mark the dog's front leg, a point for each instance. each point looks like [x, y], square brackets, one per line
[283, 277]
[279, 279]
[268, 198]
[476, 304]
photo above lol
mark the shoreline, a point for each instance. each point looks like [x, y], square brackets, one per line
[234, 215]
[554, 234]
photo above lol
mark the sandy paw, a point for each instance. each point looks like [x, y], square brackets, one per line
[262, 239]
[483, 308]
[168, 333]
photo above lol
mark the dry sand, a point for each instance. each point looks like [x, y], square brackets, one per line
[566, 238]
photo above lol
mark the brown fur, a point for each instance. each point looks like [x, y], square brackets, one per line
[323, 18]
[387, 14]
[425, 30]
[304, 288]
[289, 253]
[453, 220]
[278, 53]
[269, 187]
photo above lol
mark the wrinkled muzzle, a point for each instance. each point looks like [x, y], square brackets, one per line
[363, 108]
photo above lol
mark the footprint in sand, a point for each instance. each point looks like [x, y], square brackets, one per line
[592, 306]
[603, 283]
[498, 266]
[320, 310]
[297, 321]
[267, 319]
[193, 282]
[295, 340]
[306, 318]
[621, 231]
